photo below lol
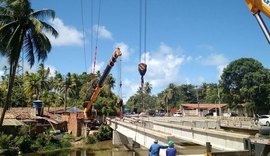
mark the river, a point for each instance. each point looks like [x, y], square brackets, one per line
[106, 148]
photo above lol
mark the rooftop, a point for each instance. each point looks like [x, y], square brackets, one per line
[203, 105]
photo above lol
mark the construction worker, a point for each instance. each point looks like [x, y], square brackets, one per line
[171, 151]
[155, 148]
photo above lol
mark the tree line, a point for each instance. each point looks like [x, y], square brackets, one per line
[58, 91]
[243, 81]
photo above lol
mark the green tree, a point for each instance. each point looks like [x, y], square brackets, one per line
[147, 88]
[37, 83]
[246, 81]
[32, 85]
[210, 93]
[22, 29]
[43, 75]
[19, 99]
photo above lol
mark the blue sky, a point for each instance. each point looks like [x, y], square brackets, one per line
[187, 42]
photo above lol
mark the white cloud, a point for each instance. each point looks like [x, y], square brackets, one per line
[52, 70]
[102, 32]
[189, 58]
[124, 49]
[130, 88]
[98, 67]
[68, 35]
[1, 73]
[207, 47]
[25, 66]
[200, 79]
[163, 66]
[220, 69]
[214, 60]
[3, 62]
[218, 60]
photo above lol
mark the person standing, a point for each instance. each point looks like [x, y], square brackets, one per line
[155, 148]
[171, 151]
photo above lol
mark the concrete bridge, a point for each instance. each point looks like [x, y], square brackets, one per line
[144, 131]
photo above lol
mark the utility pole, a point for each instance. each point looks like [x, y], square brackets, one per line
[197, 96]
[220, 111]
[65, 100]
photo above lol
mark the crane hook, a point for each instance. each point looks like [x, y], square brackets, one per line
[142, 67]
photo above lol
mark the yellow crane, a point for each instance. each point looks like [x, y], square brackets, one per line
[89, 102]
[257, 6]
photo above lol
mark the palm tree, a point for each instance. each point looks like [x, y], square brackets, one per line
[22, 29]
[37, 83]
[167, 96]
[109, 84]
[148, 88]
[43, 74]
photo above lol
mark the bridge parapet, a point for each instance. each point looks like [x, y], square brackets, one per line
[193, 131]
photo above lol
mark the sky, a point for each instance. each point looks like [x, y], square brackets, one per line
[182, 42]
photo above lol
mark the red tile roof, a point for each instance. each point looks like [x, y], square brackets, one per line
[202, 105]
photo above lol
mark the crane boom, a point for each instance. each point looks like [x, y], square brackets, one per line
[88, 108]
[257, 6]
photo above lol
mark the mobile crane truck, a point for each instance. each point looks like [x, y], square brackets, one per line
[88, 114]
[257, 6]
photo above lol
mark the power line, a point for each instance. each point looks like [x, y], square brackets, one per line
[97, 36]
[82, 18]
[145, 24]
[92, 16]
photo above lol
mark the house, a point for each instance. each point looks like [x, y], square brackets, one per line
[11, 126]
[30, 117]
[200, 109]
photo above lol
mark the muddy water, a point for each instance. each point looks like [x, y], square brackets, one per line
[99, 149]
[107, 149]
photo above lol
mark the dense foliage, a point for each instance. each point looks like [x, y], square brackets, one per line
[11, 145]
[246, 81]
[59, 90]
[104, 133]
[173, 96]
[243, 81]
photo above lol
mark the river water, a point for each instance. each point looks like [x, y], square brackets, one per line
[106, 148]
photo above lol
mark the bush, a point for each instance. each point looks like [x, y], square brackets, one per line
[104, 133]
[91, 139]
[23, 142]
[6, 141]
[7, 145]
[10, 145]
[65, 140]
[49, 142]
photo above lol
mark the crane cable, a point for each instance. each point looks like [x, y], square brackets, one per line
[91, 46]
[83, 36]
[142, 67]
[120, 100]
[97, 37]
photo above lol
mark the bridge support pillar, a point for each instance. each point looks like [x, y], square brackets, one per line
[135, 144]
[119, 139]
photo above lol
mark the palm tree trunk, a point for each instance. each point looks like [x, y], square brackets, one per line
[12, 73]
